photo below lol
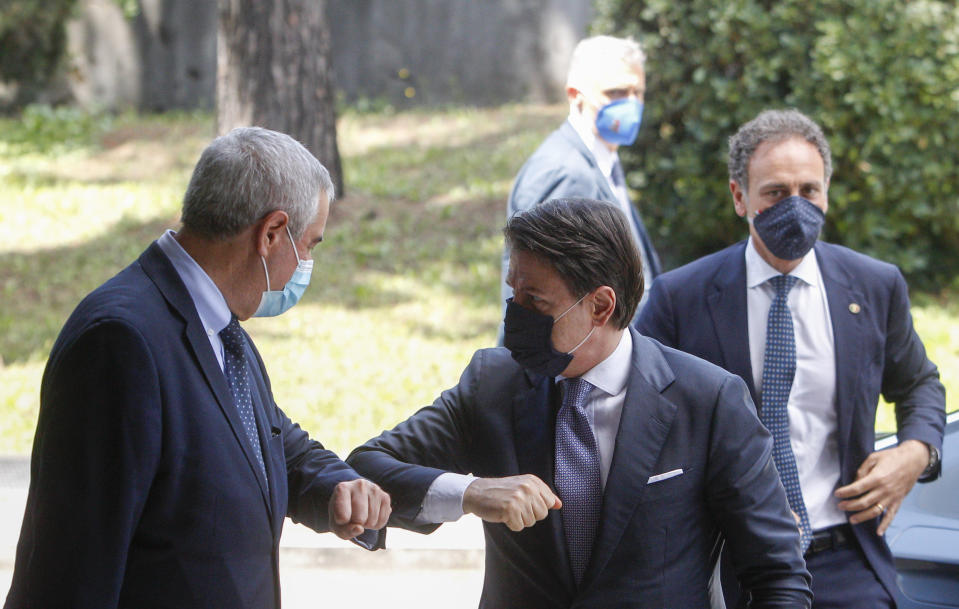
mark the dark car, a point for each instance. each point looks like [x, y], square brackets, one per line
[924, 537]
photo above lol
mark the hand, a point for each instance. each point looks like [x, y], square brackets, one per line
[518, 501]
[357, 505]
[882, 482]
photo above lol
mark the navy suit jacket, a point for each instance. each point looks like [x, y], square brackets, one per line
[144, 491]
[656, 542]
[562, 167]
[700, 308]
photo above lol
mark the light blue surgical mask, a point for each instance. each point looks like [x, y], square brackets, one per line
[618, 121]
[276, 302]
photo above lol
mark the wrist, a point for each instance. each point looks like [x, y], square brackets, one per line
[922, 455]
[470, 496]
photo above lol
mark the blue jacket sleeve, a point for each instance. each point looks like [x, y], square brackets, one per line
[95, 454]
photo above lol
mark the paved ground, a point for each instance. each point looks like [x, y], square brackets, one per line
[439, 571]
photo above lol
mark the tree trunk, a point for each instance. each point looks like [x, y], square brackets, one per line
[274, 71]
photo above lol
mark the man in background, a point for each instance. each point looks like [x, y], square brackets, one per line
[605, 86]
[162, 469]
[817, 331]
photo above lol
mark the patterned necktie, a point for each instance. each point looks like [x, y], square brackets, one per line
[238, 375]
[779, 368]
[577, 474]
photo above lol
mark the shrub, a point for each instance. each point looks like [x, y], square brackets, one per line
[32, 42]
[51, 130]
[880, 76]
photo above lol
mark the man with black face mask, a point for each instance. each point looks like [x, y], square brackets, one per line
[606, 466]
[817, 331]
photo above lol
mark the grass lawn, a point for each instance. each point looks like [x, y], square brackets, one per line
[406, 285]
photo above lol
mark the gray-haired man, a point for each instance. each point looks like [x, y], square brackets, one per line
[162, 468]
[605, 86]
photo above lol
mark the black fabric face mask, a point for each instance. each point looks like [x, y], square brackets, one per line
[527, 335]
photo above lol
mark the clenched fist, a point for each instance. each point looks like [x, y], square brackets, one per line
[518, 501]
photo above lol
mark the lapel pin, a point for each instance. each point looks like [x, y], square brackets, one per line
[854, 308]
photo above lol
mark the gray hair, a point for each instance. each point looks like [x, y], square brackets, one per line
[774, 126]
[248, 173]
[598, 50]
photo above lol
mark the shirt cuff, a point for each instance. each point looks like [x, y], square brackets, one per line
[444, 499]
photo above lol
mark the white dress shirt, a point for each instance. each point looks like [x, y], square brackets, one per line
[605, 159]
[604, 407]
[209, 301]
[813, 426]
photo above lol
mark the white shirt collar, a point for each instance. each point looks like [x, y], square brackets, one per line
[758, 271]
[612, 374]
[605, 158]
[209, 301]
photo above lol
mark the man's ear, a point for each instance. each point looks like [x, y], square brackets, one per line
[739, 198]
[603, 300]
[270, 231]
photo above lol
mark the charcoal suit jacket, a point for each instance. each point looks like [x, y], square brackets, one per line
[657, 536]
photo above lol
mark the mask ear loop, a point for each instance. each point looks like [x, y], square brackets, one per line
[293, 243]
[561, 315]
[582, 342]
[266, 272]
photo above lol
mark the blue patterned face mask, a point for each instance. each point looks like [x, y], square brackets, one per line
[275, 302]
[618, 121]
[790, 227]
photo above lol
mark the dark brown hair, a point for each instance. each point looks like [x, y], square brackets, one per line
[588, 243]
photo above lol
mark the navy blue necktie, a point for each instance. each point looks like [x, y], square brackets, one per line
[779, 368]
[238, 375]
[577, 474]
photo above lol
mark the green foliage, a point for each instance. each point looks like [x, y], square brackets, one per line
[880, 76]
[406, 283]
[32, 41]
[46, 129]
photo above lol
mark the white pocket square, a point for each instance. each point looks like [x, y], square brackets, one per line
[664, 476]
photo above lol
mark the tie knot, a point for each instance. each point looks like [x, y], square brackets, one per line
[232, 337]
[783, 283]
[575, 392]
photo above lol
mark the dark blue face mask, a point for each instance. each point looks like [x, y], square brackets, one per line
[790, 227]
[528, 336]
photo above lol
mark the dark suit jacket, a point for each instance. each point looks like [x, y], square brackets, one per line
[562, 167]
[656, 542]
[144, 491]
[700, 308]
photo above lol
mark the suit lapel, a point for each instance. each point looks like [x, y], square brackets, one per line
[643, 428]
[847, 332]
[727, 309]
[534, 424]
[606, 193]
[576, 142]
[156, 265]
[261, 403]
[533, 421]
